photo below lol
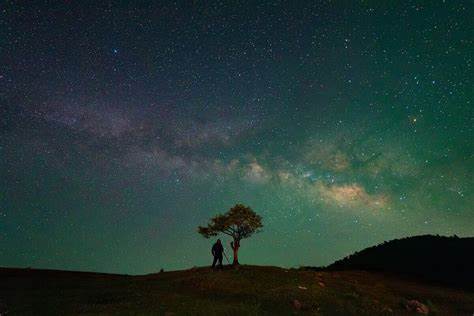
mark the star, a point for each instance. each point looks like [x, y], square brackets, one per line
[141, 120]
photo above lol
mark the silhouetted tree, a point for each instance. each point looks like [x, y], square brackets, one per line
[239, 222]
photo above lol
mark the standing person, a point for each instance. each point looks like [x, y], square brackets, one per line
[217, 251]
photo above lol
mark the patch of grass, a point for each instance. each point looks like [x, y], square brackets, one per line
[433, 309]
[250, 290]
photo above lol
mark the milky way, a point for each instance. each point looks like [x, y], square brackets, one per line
[125, 127]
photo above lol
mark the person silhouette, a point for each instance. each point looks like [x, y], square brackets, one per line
[217, 251]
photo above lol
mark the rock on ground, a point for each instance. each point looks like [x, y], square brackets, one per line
[416, 306]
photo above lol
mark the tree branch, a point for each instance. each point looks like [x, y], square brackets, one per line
[224, 232]
[229, 231]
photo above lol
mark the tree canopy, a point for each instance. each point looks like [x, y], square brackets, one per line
[239, 222]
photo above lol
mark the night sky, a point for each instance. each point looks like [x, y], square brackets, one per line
[123, 127]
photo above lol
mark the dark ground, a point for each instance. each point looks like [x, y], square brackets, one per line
[249, 290]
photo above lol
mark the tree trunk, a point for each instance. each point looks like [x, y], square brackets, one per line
[235, 245]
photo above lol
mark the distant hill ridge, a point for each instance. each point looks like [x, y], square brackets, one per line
[448, 260]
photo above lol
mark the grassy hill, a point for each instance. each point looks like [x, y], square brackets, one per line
[447, 260]
[249, 290]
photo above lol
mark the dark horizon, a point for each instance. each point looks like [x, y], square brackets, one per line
[338, 265]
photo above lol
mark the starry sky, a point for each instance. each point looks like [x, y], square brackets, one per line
[125, 126]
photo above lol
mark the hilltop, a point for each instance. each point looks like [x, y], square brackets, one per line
[424, 274]
[446, 260]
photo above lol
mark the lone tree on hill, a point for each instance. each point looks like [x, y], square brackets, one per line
[239, 222]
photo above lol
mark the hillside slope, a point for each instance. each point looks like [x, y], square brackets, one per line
[448, 260]
[250, 290]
